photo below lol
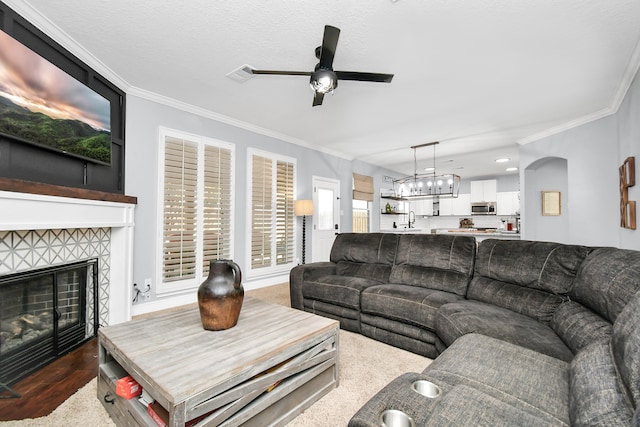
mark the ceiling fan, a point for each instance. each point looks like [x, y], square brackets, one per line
[323, 78]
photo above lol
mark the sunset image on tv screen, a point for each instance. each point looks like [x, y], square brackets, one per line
[41, 104]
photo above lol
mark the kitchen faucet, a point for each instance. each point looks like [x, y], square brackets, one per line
[412, 221]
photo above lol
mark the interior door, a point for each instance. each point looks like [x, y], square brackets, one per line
[326, 217]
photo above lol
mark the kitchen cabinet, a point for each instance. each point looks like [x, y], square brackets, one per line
[462, 204]
[508, 202]
[446, 206]
[484, 191]
[455, 206]
[422, 207]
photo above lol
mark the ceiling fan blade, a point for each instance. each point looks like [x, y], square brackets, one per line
[329, 44]
[282, 73]
[364, 77]
[317, 99]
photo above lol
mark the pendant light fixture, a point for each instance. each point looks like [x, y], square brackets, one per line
[427, 185]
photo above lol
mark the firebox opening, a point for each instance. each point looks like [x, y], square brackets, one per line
[44, 314]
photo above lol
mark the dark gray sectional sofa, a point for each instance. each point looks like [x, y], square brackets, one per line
[522, 332]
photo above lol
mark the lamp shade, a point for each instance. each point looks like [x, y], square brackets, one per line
[303, 207]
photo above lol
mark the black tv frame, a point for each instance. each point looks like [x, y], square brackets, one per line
[19, 160]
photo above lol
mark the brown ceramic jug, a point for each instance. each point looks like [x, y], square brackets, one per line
[220, 296]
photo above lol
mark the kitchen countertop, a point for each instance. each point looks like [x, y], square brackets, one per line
[478, 234]
[483, 234]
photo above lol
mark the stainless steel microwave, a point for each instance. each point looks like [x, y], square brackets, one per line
[483, 208]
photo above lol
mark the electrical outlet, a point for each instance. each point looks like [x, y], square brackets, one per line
[146, 292]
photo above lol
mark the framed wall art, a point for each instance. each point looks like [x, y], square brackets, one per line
[551, 203]
[627, 207]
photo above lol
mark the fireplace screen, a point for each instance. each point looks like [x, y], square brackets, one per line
[43, 315]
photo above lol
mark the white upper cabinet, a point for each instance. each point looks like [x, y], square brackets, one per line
[422, 207]
[484, 191]
[446, 206]
[462, 204]
[508, 202]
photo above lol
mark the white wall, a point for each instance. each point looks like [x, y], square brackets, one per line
[629, 145]
[594, 152]
[145, 117]
[549, 174]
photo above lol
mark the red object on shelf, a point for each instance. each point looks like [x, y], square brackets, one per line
[158, 413]
[127, 387]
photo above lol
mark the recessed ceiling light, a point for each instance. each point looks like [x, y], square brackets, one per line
[511, 169]
[430, 169]
[503, 160]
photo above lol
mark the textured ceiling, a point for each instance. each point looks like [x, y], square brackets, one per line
[478, 76]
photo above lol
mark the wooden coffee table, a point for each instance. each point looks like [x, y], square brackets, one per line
[192, 372]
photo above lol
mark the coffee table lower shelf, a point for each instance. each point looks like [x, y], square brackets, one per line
[269, 389]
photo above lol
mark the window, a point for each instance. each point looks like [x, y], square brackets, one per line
[362, 196]
[360, 216]
[197, 207]
[272, 220]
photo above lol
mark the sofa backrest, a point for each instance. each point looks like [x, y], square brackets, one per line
[607, 280]
[625, 347]
[605, 375]
[435, 261]
[529, 277]
[365, 255]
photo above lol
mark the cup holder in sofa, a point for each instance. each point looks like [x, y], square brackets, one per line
[395, 418]
[426, 388]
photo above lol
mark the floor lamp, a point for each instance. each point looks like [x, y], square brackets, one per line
[303, 208]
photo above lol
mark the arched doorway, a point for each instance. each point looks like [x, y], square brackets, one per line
[546, 174]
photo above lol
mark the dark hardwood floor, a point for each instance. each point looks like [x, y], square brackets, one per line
[44, 390]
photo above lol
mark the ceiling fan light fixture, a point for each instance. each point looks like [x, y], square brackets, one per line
[323, 81]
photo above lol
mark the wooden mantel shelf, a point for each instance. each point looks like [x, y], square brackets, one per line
[21, 186]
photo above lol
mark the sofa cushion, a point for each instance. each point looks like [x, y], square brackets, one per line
[340, 290]
[419, 333]
[526, 379]
[408, 304]
[534, 303]
[607, 280]
[578, 326]
[478, 408]
[396, 338]
[596, 396]
[379, 272]
[625, 346]
[456, 319]
[369, 248]
[545, 266]
[434, 261]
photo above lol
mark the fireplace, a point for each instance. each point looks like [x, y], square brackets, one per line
[45, 313]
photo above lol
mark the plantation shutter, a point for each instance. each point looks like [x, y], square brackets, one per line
[217, 206]
[180, 210]
[262, 219]
[362, 187]
[284, 213]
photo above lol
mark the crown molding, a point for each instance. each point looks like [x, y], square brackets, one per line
[48, 27]
[45, 25]
[623, 88]
[208, 114]
[566, 126]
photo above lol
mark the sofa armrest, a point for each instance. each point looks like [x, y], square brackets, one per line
[305, 272]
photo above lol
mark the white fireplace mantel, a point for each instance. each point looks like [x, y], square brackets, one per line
[24, 211]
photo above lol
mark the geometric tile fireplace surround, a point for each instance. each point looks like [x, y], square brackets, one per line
[41, 230]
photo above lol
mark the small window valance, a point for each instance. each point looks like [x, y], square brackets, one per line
[362, 187]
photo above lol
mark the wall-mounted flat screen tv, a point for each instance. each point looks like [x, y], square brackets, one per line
[42, 105]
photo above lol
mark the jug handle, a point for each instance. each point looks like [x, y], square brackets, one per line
[237, 273]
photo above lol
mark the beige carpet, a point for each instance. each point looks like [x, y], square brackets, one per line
[365, 367]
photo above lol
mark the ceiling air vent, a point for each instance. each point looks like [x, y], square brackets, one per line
[241, 74]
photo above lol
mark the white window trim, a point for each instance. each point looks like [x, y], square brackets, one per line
[275, 270]
[187, 285]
